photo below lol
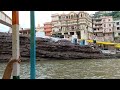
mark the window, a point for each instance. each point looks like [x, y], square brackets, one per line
[81, 15]
[75, 27]
[74, 16]
[72, 27]
[108, 19]
[109, 24]
[109, 29]
[77, 16]
[117, 23]
[80, 27]
[59, 17]
[66, 17]
[94, 29]
[86, 27]
[118, 33]
[118, 28]
[71, 16]
[104, 25]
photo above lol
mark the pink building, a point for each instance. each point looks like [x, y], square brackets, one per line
[48, 28]
[103, 28]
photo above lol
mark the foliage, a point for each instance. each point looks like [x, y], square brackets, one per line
[114, 14]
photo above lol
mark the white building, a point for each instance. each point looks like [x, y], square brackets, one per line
[117, 29]
[55, 23]
[103, 28]
[39, 29]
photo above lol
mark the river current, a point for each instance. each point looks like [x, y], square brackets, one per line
[71, 69]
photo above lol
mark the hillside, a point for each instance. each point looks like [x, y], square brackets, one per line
[114, 14]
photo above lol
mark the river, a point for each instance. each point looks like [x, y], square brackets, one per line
[71, 69]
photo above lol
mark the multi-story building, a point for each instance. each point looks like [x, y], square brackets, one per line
[98, 29]
[73, 23]
[103, 28]
[55, 23]
[48, 28]
[117, 30]
[108, 28]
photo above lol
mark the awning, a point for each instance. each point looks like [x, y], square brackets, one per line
[117, 46]
[105, 43]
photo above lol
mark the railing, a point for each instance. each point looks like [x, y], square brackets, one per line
[98, 30]
[4, 19]
[108, 31]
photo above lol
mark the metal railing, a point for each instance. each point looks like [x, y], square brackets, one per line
[5, 19]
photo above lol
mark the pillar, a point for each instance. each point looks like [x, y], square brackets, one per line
[15, 43]
[32, 46]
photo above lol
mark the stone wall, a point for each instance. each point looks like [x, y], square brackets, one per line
[46, 48]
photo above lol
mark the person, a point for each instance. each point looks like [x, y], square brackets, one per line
[9, 68]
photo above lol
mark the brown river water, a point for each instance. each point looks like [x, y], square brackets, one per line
[71, 69]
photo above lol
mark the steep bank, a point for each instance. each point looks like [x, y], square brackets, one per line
[46, 48]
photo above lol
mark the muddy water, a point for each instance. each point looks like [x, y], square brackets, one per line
[71, 69]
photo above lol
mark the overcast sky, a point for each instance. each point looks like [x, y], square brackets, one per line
[40, 18]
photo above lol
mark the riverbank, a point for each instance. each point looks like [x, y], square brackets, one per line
[48, 49]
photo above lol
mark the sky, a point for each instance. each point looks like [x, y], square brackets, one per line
[40, 18]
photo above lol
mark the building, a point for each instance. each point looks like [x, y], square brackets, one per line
[55, 23]
[103, 28]
[117, 30]
[98, 29]
[73, 23]
[39, 29]
[25, 31]
[48, 28]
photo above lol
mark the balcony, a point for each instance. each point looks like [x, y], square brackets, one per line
[108, 31]
[101, 30]
[97, 22]
[99, 38]
[98, 26]
[48, 30]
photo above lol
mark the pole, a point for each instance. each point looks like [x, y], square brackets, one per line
[32, 46]
[15, 43]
